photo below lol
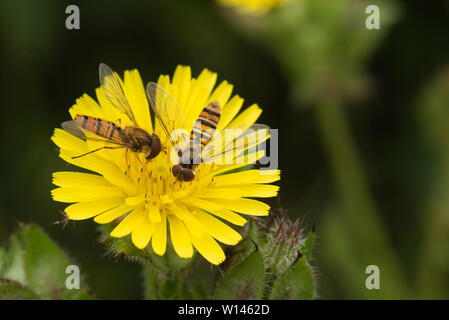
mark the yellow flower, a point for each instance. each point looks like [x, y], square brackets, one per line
[142, 200]
[253, 6]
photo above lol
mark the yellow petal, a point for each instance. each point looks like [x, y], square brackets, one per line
[142, 232]
[193, 225]
[112, 214]
[248, 117]
[247, 176]
[87, 193]
[111, 113]
[221, 93]
[135, 200]
[154, 212]
[209, 249]
[127, 225]
[135, 92]
[91, 162]
[89, 209]
[246, 206]
[65, 140]
[223, 193]
[78, 179]
[164, 82]
[259, 191]
[87, 106]
[65, 195]
[159, 240]
[229, 111]
[239, 191]
[123, 117]
[210, 171]
[228, 215]
[220, 169]
[204, 85]
[110, 171]
[217, 229]
[181, 80]
[180, 237]
[203, 204]
[235, 146]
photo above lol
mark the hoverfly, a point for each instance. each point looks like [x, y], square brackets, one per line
[198, 149]
[201, 134]
[130, 137]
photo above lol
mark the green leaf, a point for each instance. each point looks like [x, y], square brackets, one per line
[35, 267]
[3, 256]
[294, 284]
[14, 266]
[243, 282]
[45, 265]
[199, 293]
[81, 294]
[13, 290]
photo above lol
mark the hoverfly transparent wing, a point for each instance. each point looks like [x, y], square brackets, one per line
[113, 91]
[233, 144]
[73, 128]
[166, 110]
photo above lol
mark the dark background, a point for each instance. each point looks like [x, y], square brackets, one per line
[45, 67]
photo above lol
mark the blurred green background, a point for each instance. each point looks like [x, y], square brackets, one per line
[362, 114]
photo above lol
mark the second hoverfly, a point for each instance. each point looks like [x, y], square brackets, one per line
[130, 137]
[197, 148]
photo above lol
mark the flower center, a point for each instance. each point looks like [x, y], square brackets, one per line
[155, 181]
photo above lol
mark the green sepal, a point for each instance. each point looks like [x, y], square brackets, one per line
[252, 240]
[294, 284]
[243, 282]
[307, 244]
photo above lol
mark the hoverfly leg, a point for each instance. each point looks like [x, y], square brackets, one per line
[84, 154]
[126, 163]
[143, 166]
[176, 181]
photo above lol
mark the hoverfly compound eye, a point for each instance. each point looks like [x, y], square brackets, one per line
[188, 175]
[155, 147]
[176, 169]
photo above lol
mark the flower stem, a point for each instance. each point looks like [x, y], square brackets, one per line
[360, 214]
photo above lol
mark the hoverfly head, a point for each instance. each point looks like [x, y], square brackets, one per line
[153, 148]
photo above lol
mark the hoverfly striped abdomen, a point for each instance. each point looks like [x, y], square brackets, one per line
[206, 124]
[102, 128]
[201, 134]
[132, 138]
